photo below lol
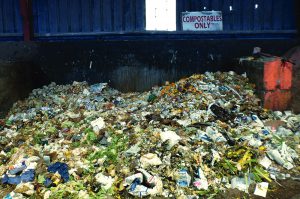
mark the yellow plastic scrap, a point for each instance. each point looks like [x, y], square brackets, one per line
[68, 154]
[262, 148]
[56, 178]
[111, 170]
[197, 157]
[197, 76]
[235, 154]
[244, 160]
[176, 111]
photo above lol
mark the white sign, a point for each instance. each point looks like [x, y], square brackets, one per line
[202, 21]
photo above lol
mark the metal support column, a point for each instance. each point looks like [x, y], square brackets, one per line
[26, 12]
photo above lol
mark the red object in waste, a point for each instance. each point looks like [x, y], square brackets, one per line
[278, 75]
[278, 100]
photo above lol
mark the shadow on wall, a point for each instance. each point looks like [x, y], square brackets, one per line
[17, 80]
[140, 65]
[294, 56]
[125, 65]
[142, 78]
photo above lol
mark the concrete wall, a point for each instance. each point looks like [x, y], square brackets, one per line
[138, 65]
[126, 65]
[17, 79]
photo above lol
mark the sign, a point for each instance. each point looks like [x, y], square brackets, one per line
[202, 21]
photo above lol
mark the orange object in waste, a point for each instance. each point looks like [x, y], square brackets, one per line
[277, 75]
[277, 100]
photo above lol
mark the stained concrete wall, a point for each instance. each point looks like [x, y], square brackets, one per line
[17, 79]
[138, 65]
[126, 65]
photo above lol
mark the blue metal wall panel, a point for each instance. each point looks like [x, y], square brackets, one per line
[179, 5]
[237, 12]
[53, 16]
[63, 25]
[17, 17]
[277, 9]
[86, 16]
[288, 21]
[10, 18]
[1, 17]
[227, 14]
[268, 15]
[216, 4]
[75, 15]
[205, 3]
[118, 13]
[41, 14]
[127, 23]
[107, 15]
[96, 16]
[140, 15]
[195, 5]
[258, 23]
[247, 15]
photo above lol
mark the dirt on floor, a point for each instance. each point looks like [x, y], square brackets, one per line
[289, 189]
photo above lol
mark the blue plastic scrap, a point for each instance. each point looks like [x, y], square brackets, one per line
[265, 132]
[134, 184]
[61, 168]
[223, 88]
[48, 182]
[97, 88]
[18, 169]
[198, 172]
[11, 180]
[27, 176]
[183, 180]
[8, 196]
[205, 138]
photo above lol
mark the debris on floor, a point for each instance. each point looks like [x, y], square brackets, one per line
[196, 137]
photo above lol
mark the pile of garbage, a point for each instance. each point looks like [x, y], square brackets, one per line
[197, 137]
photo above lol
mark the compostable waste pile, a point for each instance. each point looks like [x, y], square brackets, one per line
[196, 137]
